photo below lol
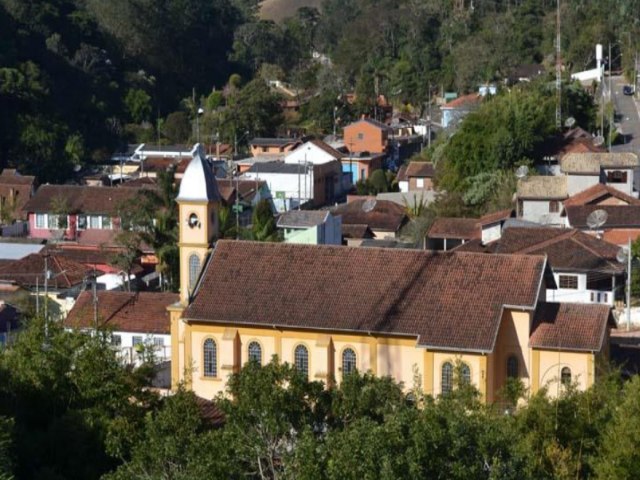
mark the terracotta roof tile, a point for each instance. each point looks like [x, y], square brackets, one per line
[618, 216]
[570, 326]
[495, 217]
[597, 193]
[461, 228]
[386, 215]
[463, 101]
[387, 291]
[356, 231]
[621, 236]
[592, 161]
[302, 218]
[139, 312]
[29, 271]
[325, 147]
[420, 169]
[81, 199]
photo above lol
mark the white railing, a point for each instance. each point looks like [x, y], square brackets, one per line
[135, 356]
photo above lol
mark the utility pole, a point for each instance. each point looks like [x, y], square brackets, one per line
[558, 72]
[611, 103]
[429, 121]
[46, 291]
[629, 284]
[94, 292]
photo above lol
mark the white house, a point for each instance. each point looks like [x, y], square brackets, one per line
[316, 152]
[540, 199]
[138, 322]
[585, 170]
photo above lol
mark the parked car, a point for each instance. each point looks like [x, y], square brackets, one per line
[627, 90]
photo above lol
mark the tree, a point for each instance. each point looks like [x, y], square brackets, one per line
[264, 228]
[177, 127]
[138, 104]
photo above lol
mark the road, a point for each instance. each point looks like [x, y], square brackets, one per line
[627, 117]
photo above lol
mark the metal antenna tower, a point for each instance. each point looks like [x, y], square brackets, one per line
[558, 72]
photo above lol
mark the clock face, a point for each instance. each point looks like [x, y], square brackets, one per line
[193, 220]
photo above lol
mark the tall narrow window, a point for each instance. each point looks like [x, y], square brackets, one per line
[255, 352]
[41, 220]
[512, 367]
[194, 270]
[210, 358]
[565, 376]
[301, 358]
[465, 374]
[447, 378]
[348, 361]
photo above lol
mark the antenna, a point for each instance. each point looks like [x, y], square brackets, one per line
[369, 205]
[522, 172]
[596, 219]
[569, 122]
[558, 71]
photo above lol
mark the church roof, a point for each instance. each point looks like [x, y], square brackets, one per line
[449, 301]
[198, 183]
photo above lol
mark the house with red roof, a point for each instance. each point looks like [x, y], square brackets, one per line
[455, 110]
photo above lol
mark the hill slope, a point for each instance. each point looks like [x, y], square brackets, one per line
[278, 10]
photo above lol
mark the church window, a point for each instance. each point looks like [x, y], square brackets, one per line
[194, 269]
[512, 367]
[348, 361]
[210, 358]
[465, 374]
[565, 376]
[255, 352]
[447, 378]
[301, 358]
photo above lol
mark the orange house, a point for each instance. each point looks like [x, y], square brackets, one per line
[367, 135]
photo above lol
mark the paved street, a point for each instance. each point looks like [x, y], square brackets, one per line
[626, 117]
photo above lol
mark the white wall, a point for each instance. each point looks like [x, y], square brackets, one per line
[308, 152]
[491, 232]
[626, 187]
[404, 186]
[579, 295]
[538, 211]
[578, 183]
[287, 183]
[129, 353]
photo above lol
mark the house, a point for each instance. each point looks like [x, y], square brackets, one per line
[585, 268]
[600, 194]
[355, 235]
[273, 146]
[80, 213]
[622, 221]
[454, 111]
[574, 140]
[409, 314]
[359, 166]
[447, 233]
[587, 169]
[138, 322]
[540, 199]
[315, 152]
[296, 184]
[367, 135]
[416, 176]
[314, 227]
[526, 72]
[64, 280]
[15, 191]
[383, 218]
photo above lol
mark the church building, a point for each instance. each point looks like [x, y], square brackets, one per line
[329, 310]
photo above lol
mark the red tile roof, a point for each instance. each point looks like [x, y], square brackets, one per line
[621, 236]
[325, 147]
[81, 199]
[618, 216]
[448, 301]
[385, 215]
[18, 187]
[567, 249]
[597, 193]
[463, 101]
[460, 228]
[139, 312]
[420, 169]
[570, 326]
[29, 271]
[496, 217]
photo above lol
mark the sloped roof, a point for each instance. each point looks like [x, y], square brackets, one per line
[356, 231]
[460, 228]
[599, 192]
[464, 101]
[273, 142]
[570, 326]
[420, 169]
[138, 312]
[325, 147]
[618, 216]
[199, 182]
[302, 218]
[373, 122]
[591, 162]
[543, 188]
[80, 199]
[566, 249]
[386, 291]
[385, 215]
[29, 271]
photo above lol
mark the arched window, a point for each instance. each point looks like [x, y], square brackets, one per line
[465, 374]
[255, 352]
[348, 361]
[512, 367]
[301, 357]
[565, 376]
[210, 358]
[447, 378]
[194, 270]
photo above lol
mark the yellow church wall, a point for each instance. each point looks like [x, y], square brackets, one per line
[403, 362]
[552, 362]
[477, 364]
[198, 234]
[512, 339]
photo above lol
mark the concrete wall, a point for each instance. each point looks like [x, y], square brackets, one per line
[579, 183]
[491, 232]
[626, 187]
[538, 211]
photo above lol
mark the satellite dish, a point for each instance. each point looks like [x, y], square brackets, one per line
[522, 171]
[598, 141]
[369, 205]
[596, 219]
[77, 168]
[622, 254]
[569, 122]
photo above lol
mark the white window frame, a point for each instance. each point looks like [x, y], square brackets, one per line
[419, 182]
[41, 220]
